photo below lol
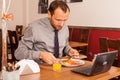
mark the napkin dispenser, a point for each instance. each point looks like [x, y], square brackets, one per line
[28, 66]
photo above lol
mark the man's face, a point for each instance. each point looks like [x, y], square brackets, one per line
[59, 18]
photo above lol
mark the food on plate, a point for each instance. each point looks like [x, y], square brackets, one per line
[71, 62]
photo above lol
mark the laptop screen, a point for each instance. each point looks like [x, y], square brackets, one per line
[103, 62]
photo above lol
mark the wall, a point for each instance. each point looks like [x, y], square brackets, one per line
[100, 13]
[94, 39]
[33, 11]
[17, 9]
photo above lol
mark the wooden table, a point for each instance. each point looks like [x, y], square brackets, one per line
[47, 73]
[77, 44]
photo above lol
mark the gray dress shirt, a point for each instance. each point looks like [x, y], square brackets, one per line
[39, 36]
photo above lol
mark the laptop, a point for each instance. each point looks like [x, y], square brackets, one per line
[102, 63]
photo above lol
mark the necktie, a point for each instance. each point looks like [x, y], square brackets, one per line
[56, 44]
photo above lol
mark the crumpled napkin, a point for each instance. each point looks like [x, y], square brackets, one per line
[28, 66]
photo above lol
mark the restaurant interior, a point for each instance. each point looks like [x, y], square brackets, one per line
[94, 27]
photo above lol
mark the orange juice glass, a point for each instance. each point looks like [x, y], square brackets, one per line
[57, 66]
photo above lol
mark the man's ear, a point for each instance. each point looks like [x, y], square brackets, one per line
[49, 14]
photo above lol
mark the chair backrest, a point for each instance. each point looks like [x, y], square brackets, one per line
[19, 29]
[84, 35]
[70, 33]
[79, 34]
[13, 42]
[107, 44]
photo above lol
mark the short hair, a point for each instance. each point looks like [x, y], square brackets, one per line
[57, 3]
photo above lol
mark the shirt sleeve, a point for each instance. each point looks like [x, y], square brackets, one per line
[67, 46]
[25, 48]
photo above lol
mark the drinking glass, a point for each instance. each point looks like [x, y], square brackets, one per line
[57, 66]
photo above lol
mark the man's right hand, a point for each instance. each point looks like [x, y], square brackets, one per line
[47, 57]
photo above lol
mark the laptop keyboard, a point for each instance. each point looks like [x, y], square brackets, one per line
[84, 70]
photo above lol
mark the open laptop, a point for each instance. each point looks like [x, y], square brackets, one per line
[102, 63]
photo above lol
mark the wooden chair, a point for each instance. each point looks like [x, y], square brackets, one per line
[19, 29]
[107, 44]
[79, 35]
[13, 43]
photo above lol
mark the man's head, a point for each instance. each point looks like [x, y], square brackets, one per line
[58, 13]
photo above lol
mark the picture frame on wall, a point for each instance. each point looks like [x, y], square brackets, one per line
[42, 6]
[72, 1]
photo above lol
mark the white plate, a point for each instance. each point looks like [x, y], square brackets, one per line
[72, 62]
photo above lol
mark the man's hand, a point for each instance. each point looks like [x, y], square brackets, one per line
[74, 53]
[47, 57]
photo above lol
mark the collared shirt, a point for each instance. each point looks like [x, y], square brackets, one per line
[39, 36]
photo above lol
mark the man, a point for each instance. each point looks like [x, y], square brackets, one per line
[38, 40]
